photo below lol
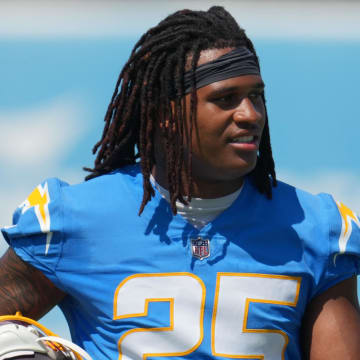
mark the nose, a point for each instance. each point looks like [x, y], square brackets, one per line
[247, 112]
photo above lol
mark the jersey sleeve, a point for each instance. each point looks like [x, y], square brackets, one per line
[344, 243]
[37, 231]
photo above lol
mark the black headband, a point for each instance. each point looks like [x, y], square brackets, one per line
[240, 61]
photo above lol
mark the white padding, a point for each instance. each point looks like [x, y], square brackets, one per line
[15, 338]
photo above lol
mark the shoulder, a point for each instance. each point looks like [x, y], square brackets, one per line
[118, 192]
[287, 192]
[51, 206]
[320, 208]
[294, 206]
[328, 230]
[33, 215]
[332, 228]
[319, 216]
[112, 183]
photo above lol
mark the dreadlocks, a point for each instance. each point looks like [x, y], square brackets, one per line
[149, 95]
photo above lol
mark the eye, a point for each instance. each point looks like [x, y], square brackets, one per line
[227, 101]
[255, 95]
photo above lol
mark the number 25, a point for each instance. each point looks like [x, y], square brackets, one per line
[185, 293]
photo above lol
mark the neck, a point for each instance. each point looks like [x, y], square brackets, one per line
[201, 188]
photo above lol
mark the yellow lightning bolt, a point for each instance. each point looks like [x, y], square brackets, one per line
[36, 198]
[347, 216]
[39, 200]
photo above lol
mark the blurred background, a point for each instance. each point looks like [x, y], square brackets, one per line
[59, 61]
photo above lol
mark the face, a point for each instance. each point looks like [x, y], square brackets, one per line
[227, 133]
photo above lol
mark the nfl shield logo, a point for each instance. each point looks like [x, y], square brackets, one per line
[200, 248]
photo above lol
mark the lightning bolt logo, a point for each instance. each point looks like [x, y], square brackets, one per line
[347, 217]
[39, 200]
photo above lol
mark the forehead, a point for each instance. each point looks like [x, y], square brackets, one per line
[207, 56]
[212, 54]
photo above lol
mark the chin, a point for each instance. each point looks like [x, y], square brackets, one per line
[241, 170]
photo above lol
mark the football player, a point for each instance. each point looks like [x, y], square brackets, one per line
[224, 261]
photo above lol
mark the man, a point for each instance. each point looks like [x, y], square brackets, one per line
[223, 261]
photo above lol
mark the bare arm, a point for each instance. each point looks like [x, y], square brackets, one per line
[331, 326]
[24, 288]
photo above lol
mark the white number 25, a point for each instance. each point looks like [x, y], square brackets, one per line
[185, 293]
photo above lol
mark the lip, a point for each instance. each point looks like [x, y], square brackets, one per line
[245, 146]
[248, 146]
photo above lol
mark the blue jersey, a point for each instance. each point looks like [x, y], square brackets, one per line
[154, 287]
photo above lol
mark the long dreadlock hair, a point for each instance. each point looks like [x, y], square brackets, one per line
[149, 94]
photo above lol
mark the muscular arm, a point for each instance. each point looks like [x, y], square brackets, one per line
[24, 288]
[331, 326]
